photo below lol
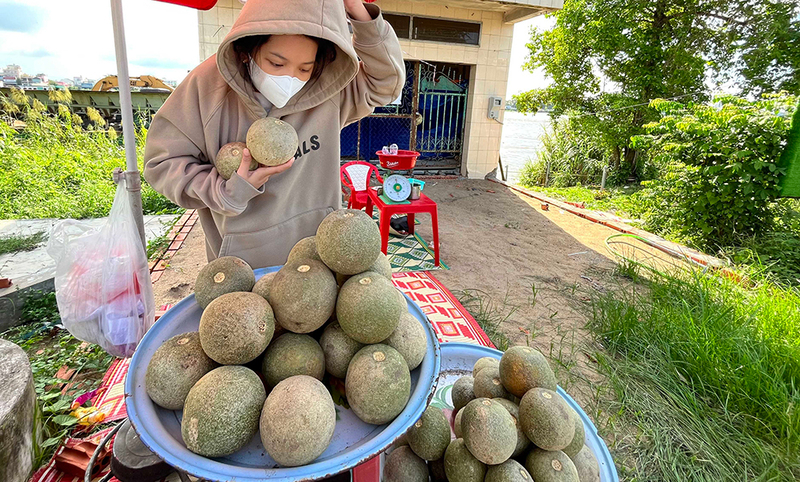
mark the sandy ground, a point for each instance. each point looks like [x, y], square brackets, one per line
[529, 266]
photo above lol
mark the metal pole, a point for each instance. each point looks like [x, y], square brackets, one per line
[132, 180]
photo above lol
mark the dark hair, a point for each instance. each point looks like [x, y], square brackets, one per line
[247, 47]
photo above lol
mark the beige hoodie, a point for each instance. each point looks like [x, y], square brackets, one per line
[214, 105]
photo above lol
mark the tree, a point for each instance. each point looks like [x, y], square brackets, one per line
[648, 49]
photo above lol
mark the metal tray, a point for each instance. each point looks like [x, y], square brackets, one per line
[458, 360]
[353, 441]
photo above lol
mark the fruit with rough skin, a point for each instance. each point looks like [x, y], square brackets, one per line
[229, 158]
[409, 339]
[368, 308]
[403, 465]
[508, 471]
[348, 241]
[261, 288]
[460, 465]
[306, 248]
[378, 384]
[297, 421]
[484, 362]
[523, 368]
[174, 369]
[303, 295]
[488, 385]
[457, 424]
[221, 412]
[577, 440]
[220, 276]
[271, 141]
[551, 466]
[586, 465]
[463, 392]
[291, 355]
[430, 435]
[522, 439]
[547, 419]
[339, 349]
[489, 431]
[236, 327]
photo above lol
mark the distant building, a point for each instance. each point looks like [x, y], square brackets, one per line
[457, 55]
[43, 77]
[12, 70]
[171, 83]
[33, 83]
[9, 80]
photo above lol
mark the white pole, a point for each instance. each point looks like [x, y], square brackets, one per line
[133, 181]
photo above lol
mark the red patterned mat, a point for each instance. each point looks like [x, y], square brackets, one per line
[451, 322]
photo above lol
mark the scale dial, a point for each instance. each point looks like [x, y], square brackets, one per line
[397, 188]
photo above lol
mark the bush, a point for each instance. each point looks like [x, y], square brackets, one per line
[55, 167]
[720, 162]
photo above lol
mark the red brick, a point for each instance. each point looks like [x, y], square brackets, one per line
[183, 218]
[179, 237]
[161, 266]
[176, 245]
[186, 229]
[155, 276]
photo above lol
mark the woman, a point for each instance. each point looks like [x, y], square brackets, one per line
[290, 59]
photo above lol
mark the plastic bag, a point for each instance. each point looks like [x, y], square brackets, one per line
[102, 280]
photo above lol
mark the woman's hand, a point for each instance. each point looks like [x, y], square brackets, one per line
[261, 175]
[357, 10]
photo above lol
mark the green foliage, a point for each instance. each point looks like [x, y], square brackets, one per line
[158, 245]
[656, 49]
[57, 167]
[721, 172]
[14, 244]
[489, 314]
[708, 371]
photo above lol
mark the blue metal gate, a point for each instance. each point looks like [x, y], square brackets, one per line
[428, 118]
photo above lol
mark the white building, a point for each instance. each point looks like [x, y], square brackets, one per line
[12, 70]
[457, 56]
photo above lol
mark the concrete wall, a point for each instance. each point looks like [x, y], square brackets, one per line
[490, 59]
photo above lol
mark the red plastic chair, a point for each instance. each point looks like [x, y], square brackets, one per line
[356, 176]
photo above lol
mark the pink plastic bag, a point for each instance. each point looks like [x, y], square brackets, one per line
[102, 281]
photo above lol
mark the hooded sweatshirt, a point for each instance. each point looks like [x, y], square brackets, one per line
[215, 105]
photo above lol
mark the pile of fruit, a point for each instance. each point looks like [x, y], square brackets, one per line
[331, 308]
[510, 426]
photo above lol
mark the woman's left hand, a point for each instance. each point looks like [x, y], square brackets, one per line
[357, 10]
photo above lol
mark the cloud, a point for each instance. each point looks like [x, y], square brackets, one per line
[17, 17]
[156, 63]
[36, 54]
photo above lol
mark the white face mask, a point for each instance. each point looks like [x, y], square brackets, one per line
[278, 89]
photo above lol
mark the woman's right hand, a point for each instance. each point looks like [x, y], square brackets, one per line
[258, 177]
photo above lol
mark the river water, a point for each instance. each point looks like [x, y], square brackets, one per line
[521, 140]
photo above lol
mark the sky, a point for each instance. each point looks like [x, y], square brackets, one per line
[65, 39]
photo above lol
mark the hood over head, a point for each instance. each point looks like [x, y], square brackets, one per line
[325, 19]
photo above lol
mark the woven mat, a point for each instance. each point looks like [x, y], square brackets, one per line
[451, 322]
[410, 253]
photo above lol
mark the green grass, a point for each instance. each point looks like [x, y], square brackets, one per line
[17, 243]
[59, 166]
[707, 373]
[157, 245]
[624, 202]
[49, 348]
[489, 314]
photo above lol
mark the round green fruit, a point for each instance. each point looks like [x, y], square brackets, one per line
[368, 308]
[578, 440]
[489, 431]
[522, 439]
[378, 384]
[547, 420]
[348, 241]
[339, 349]
[508, 471]
[586, 465]
[460, 465]
[229, 158]
[430, 435]
[484, 362]
[306, 248]
[220, 276]
[551, 466]
[463, 392]
[271, 141]
[221, 412]
[261, 288]
[403, 465]
[297, 421]
[174, 369]
[523, 368]
[303, 295]
[409, 339]
[290, 355]
[236, 327]
[488, 385]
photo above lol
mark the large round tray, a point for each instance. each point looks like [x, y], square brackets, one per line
[353, 440]
[458, 360]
